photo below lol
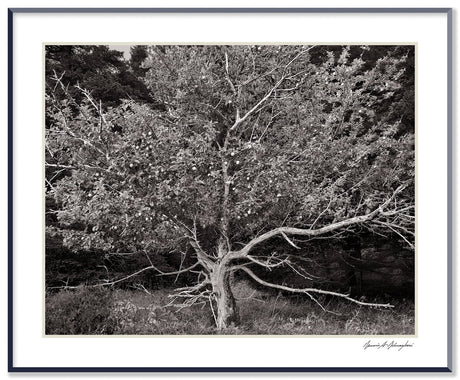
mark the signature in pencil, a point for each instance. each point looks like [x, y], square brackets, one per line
[387, 345]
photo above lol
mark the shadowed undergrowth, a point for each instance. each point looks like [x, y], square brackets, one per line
[123, 312]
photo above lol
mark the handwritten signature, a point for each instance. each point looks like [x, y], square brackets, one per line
[387, 345]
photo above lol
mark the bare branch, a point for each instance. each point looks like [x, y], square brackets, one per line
[268, 125]
[269, 72]
[79, 166]
[190, 295]
[298, 270]
[140, 287]
[201, 254]
[320, 305]
[109, 283]
[212, 308]
[267, 264]
[321, 214]
[288, 240]
[319, 231]
[307, 291]
[395, 230]
[88, 96]
[227, 76]
[180, 271]
[240, 120]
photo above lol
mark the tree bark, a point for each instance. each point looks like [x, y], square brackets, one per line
[226, 312]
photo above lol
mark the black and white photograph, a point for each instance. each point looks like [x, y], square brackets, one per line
[237, 189]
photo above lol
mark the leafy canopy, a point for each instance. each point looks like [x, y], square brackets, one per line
[265, 136]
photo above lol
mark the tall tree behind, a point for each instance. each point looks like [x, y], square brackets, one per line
[138, 56]
[97, 68]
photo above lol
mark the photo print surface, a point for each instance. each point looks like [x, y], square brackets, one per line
[230, 189]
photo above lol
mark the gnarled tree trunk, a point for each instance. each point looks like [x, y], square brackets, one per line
[226, 312]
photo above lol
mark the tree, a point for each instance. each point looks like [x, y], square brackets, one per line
[97, 68]
[138, 56]
[254, 145]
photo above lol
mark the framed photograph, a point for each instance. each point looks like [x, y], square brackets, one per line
[190, 196]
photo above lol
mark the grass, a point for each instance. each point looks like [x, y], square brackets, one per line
[123, 312]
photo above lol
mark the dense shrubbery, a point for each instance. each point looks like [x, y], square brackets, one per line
[80, 312]
[90, 311]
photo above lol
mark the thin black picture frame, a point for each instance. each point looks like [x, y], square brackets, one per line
[13, 368]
